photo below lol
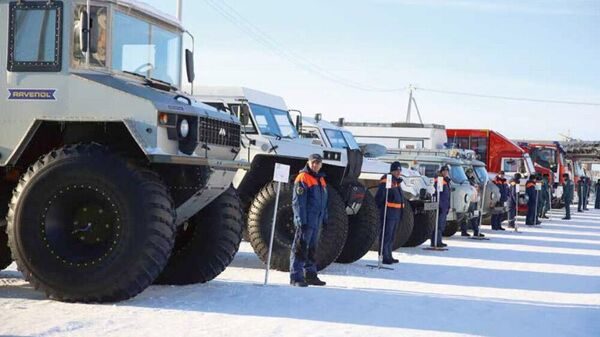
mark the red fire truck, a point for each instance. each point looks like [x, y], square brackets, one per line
[498, 152]
[550, 159]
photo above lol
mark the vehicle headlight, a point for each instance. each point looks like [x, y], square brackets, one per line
[184, 128]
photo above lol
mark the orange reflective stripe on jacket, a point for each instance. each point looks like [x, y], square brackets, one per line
[309, 180]
[395, 205]
[530, 184]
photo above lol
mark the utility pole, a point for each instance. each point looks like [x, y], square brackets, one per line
[179, 9]
[412, 100]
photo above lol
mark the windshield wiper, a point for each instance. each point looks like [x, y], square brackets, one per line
[153, 82]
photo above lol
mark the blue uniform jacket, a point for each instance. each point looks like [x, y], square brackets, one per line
[395, 200]
[568, 191]
[512, 194]
[444, 202]
[309, 200]
[503, 186]
[531, 193]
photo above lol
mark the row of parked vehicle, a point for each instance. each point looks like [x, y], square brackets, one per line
[112, 178]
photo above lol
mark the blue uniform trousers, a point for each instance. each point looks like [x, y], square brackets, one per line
[391, 223]
[531, 208]
[302, 259]
[441, 226]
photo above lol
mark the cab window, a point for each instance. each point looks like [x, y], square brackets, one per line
[97, 37]
[429, 170]
[35, 36]
[336, 138]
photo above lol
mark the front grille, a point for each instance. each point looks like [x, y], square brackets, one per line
[216, 132]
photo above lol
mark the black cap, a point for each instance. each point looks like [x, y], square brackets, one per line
[501, 172]
[315, 157]
[517, 176]
[445, 168]
[395, 166]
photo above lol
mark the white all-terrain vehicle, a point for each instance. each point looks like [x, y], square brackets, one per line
[419, 214]
[111, 178]
[269, 136]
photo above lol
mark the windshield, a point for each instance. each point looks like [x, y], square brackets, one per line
[529, 162]
[514, 165]
[336, 139]
[481, 173]
[545, 157]
[351, 141]
[457, 174]
[146, 49]
[273, 122]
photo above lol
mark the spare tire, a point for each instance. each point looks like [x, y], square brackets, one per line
[363, 231]
[85, 225]
[260, 217]
[207, 243]
[424, 227]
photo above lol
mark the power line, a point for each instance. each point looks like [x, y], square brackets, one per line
[247, 27]
[509, 98]
[253, 31]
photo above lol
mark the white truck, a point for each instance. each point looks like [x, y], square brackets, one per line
[419, 215]
[269, 137]
[111, 177]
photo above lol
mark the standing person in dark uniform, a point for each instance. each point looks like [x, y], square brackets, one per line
[309, 203]
[444, 206]
[567, 196]
[500, 181]
[580, 192]
[531, 201]
[395, 207]
[471, 220]
[544, 204]
[538, 193]
[588, 187]
[597, 195]
[513, 200]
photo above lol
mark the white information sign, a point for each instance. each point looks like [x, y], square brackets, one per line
[281, 173]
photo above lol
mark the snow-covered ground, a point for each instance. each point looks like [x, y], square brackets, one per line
[541, 282]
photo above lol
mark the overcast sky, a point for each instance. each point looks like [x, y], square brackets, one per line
[315, 53]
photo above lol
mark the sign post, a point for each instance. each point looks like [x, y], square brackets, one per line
[388, 185]
[280, 175]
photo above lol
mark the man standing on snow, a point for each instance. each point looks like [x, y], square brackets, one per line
[513, 200]
[567, 195]
[395, 206]
[444, 206]
[309, 203]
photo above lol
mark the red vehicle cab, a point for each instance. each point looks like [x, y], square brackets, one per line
[550, 159]
[496, 151]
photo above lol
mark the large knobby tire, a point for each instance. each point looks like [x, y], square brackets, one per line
[207, 243]
[5, 256]
[260, 217]
[364, 228]
[451, 228]
[84, 225]
[424, 227]
[405, 226]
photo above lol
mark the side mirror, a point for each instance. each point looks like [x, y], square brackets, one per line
[299, 123]
[84, 33]
[244, 114]
[189, 65]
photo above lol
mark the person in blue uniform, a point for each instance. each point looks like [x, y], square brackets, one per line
[580, 194]
[393, 214]
[568, 192]
[544, 204]
[531, 201]
[497, 217]
[588, 187]
[444, 206]
[513, 200]
[309, 203]
[597, 195]
[471, 220]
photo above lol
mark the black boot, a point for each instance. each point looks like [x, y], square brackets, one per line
[313, 280]
[465, 234]
[298, 283]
